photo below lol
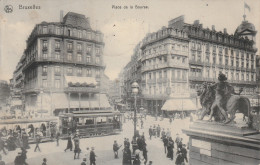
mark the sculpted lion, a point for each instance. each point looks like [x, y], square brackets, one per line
[230, 102]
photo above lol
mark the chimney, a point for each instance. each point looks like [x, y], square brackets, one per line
[196, 22]
[213, 27]
[225, 31]
[61, 16]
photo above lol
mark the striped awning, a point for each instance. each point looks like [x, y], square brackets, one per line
[175, 104]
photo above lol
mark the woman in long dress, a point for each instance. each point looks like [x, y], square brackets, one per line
[69, 143]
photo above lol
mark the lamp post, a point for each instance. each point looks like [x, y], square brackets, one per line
[135, 88]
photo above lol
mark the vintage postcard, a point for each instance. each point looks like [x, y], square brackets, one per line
[129, 82]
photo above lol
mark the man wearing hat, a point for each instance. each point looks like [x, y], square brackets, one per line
[115, 149]
[84, 161]
[92, 157]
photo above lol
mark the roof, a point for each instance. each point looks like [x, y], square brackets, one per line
[77, 20]
[176, 104]
[245, 25]
[24, 121]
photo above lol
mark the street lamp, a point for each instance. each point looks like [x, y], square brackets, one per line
[135, 88]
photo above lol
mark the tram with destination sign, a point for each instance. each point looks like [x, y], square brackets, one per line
[91, 122]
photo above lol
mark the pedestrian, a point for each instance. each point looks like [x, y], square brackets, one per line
[145, 154]
[115, 149]
[1, 161]
[37, 140]
[92, 157]
[163, 133]
[127, 159]
[2, 146]
[136, 160]
[24, 156]
[168, 133]
[158, 130]
[181, 156]
[127, 142]
[165, 143]
[84, 162]
[44, 161]
[57, 138]
[18, 159]
[180, 144]
[177, 140]
[69, 143]
[142, 124]
[154, 130]
[77, 149]
[170, 148]
[150, 132]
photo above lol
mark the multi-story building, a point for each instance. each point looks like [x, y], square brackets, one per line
[178, 58]
[4, 94]
[165, 66]
[63, 67]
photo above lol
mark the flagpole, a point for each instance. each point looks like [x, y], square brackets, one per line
[244, 11]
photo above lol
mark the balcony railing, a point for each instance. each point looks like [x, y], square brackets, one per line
[196, 62]
[162, 80]
[164, 65]
[151, 81]
[82, 89]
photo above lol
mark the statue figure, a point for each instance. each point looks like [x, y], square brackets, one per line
[220, 99]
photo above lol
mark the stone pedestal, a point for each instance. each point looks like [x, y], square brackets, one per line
[220, 144]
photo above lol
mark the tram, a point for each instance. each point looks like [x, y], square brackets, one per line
[91, 122]
[47, 126]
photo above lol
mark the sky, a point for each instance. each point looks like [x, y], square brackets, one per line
[123, 29]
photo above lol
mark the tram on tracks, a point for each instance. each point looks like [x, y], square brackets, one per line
[47, 126]
[91, 122]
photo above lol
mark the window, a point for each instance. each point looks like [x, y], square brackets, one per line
[242, 64]
[173, 46]
[45, 44]
[247, 77]
[80, 34]
[58, 30]
[97, 73]
[57, 69]
[232, 52]
[57, 44]
[199, 46]
[173, 74]
[69, 32]
[220, 49]
[232, 76]
[79, 71]
[252, 77]
[199, 57]
[57, 55]
[226, 60]
[237, 62]
[214, 48]
[57, 83]
[226, 50]
[79, 57]
[242, 76]
[237, 76]
[184, 74]
[220, 59]
[97, 51]
[247, 64]
[88, 49]
[98, 60]
[44, 83]
[178, 74]
[69, 56]
[44, 30]
[232, 62]
[193, 56]
[207, 58]
[214, 59]
[44, 69]
[88, 58]
[79, 47]
[207, 73]
[183, 60]
[88, 35]
[193, 45]
[69, 46]
[45, 56]
[165, 73]
[69, 71]
[207, 47]
[88, 72]
[150, 75]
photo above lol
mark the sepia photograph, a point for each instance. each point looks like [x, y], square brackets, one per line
[129, 82]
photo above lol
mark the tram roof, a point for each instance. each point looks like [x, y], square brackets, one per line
[25, 121]
[90, 114]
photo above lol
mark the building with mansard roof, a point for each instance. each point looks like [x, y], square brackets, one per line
[177, 59]
[63, 67]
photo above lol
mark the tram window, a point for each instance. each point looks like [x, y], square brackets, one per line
[89, 121]
[101, 120]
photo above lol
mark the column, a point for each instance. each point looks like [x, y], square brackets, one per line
[79, 101]
[69, 102]
[156, 107]
[89, 95]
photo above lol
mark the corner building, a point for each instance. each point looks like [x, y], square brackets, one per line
[165, 67]
[63, 67]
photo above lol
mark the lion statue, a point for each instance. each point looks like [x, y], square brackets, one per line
[233, 103]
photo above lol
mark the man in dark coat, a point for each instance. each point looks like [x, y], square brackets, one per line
[181, 155]
[92, 157]
[150, 132]
[69, 143]
[127, 159]
[115, 149]
[165, 143]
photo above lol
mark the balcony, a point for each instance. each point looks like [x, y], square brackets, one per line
[200, 78]
[178, 80]
[151, 81]
[196, 62]
[155, 96]
[162, 80]
[178, 52]
[81, 90]
[164, 65]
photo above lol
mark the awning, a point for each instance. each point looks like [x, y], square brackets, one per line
[177, 104]
[80, 81]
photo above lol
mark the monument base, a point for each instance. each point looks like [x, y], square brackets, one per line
[216, 143]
